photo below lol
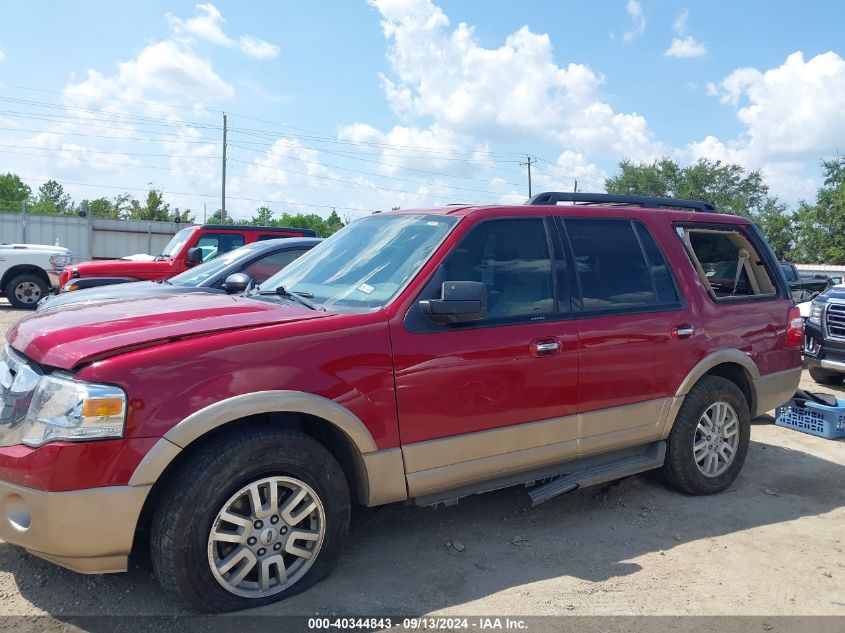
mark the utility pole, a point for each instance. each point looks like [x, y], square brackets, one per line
[223, 192]
[528, 162]
[575, 189]
[204, 213]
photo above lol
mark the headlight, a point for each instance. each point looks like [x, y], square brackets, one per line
[816, 309]
[59, 260]
[67, 409]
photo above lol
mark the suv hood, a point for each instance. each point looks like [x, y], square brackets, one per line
[66, 338]
[48, 248]
[121, 267]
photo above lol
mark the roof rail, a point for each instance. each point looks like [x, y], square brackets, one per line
[649, 202]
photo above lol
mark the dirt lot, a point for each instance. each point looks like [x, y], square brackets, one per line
[772, 544]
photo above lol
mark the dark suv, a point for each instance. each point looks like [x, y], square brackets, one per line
[415, 356]
[824, 341]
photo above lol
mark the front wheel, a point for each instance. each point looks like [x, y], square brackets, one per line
[25, 291]
[252, 518]
[709, 440]
[826, 377]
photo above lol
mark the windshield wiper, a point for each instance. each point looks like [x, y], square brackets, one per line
[298, 297]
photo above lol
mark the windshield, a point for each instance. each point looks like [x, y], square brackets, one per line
[365, 264]
[200, 274]
[176, 243]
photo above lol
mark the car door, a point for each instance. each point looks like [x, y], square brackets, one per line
[499, 395]
[634, 331]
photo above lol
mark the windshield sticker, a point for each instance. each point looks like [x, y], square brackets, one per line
[366, 288]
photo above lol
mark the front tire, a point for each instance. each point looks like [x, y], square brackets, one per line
[825, 377]
[709, 440]
[252, 518]
[24, 291]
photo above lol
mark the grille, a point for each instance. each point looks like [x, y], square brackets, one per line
[836, 320]
[18, 380]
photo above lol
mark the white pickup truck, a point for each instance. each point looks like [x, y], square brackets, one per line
[28, 271]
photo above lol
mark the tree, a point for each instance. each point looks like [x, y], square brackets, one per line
[13, 191]
[215, 218]
[821, 226]
[100, 208]
[52, 200]
[263, 217]
[727, 186]
[333, 223]
[154, 209]
[185, 217]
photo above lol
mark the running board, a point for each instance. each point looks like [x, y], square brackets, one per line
[652, 458]
[557, 479]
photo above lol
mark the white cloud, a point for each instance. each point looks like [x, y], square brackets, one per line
[685, 47]
[168, 68]
[502, 93]
[680, 24]
[257, 48]
[796, 109]
[635, 10]
[207, 24]
[2, 55]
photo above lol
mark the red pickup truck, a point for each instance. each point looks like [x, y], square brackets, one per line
[190, 246]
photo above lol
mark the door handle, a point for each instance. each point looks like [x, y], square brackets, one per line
[682, 331]
[544, 347]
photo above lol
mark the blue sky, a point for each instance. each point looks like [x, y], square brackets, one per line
[363, 105]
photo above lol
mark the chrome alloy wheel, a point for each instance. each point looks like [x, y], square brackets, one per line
[716, 439]
[266, 537]
[27, 292]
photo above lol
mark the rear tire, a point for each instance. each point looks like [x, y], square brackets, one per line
[24, 291]
[207, 530]
[709, 440]
[825, 377]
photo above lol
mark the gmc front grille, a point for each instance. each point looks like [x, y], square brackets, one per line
[836, 320]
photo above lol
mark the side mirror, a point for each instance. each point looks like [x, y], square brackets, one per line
[194, 256]
[237, 282]
[460, 302]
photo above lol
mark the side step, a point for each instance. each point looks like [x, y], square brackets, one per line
[652, 458]
[557, 479]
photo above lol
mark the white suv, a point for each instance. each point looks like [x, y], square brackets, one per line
[28, 271]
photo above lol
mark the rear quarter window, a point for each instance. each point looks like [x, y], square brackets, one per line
[728, 262]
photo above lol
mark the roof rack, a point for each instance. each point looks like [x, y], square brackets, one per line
[649, 202]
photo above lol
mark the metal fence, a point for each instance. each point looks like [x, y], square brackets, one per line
[88, 238]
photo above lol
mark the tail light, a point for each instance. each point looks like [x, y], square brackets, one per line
[794, 328]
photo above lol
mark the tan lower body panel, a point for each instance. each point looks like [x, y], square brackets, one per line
[385, 472]
[441, 464]
[774, 389]
[89, 531]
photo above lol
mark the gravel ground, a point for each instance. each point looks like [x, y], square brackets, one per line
[773, 544]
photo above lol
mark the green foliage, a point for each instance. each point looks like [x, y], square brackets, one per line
[52, 200]
[13, 191]
[264, 216]
[821, 226]
[729, 187]
[155, 208]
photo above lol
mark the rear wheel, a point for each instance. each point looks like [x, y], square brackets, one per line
[24, 291]
[251, 519]
[826, 377]
[709, 440]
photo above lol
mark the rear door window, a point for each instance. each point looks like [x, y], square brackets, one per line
[618, 266]
[727, 262]
[215, 244]
[262, 269]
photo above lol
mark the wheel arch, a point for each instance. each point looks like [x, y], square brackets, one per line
[22, 269]
[375, 476]
[731, 364]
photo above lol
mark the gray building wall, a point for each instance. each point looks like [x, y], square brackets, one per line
[88, 238]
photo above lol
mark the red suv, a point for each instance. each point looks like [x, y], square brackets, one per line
[417, 355]
[189, 247]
